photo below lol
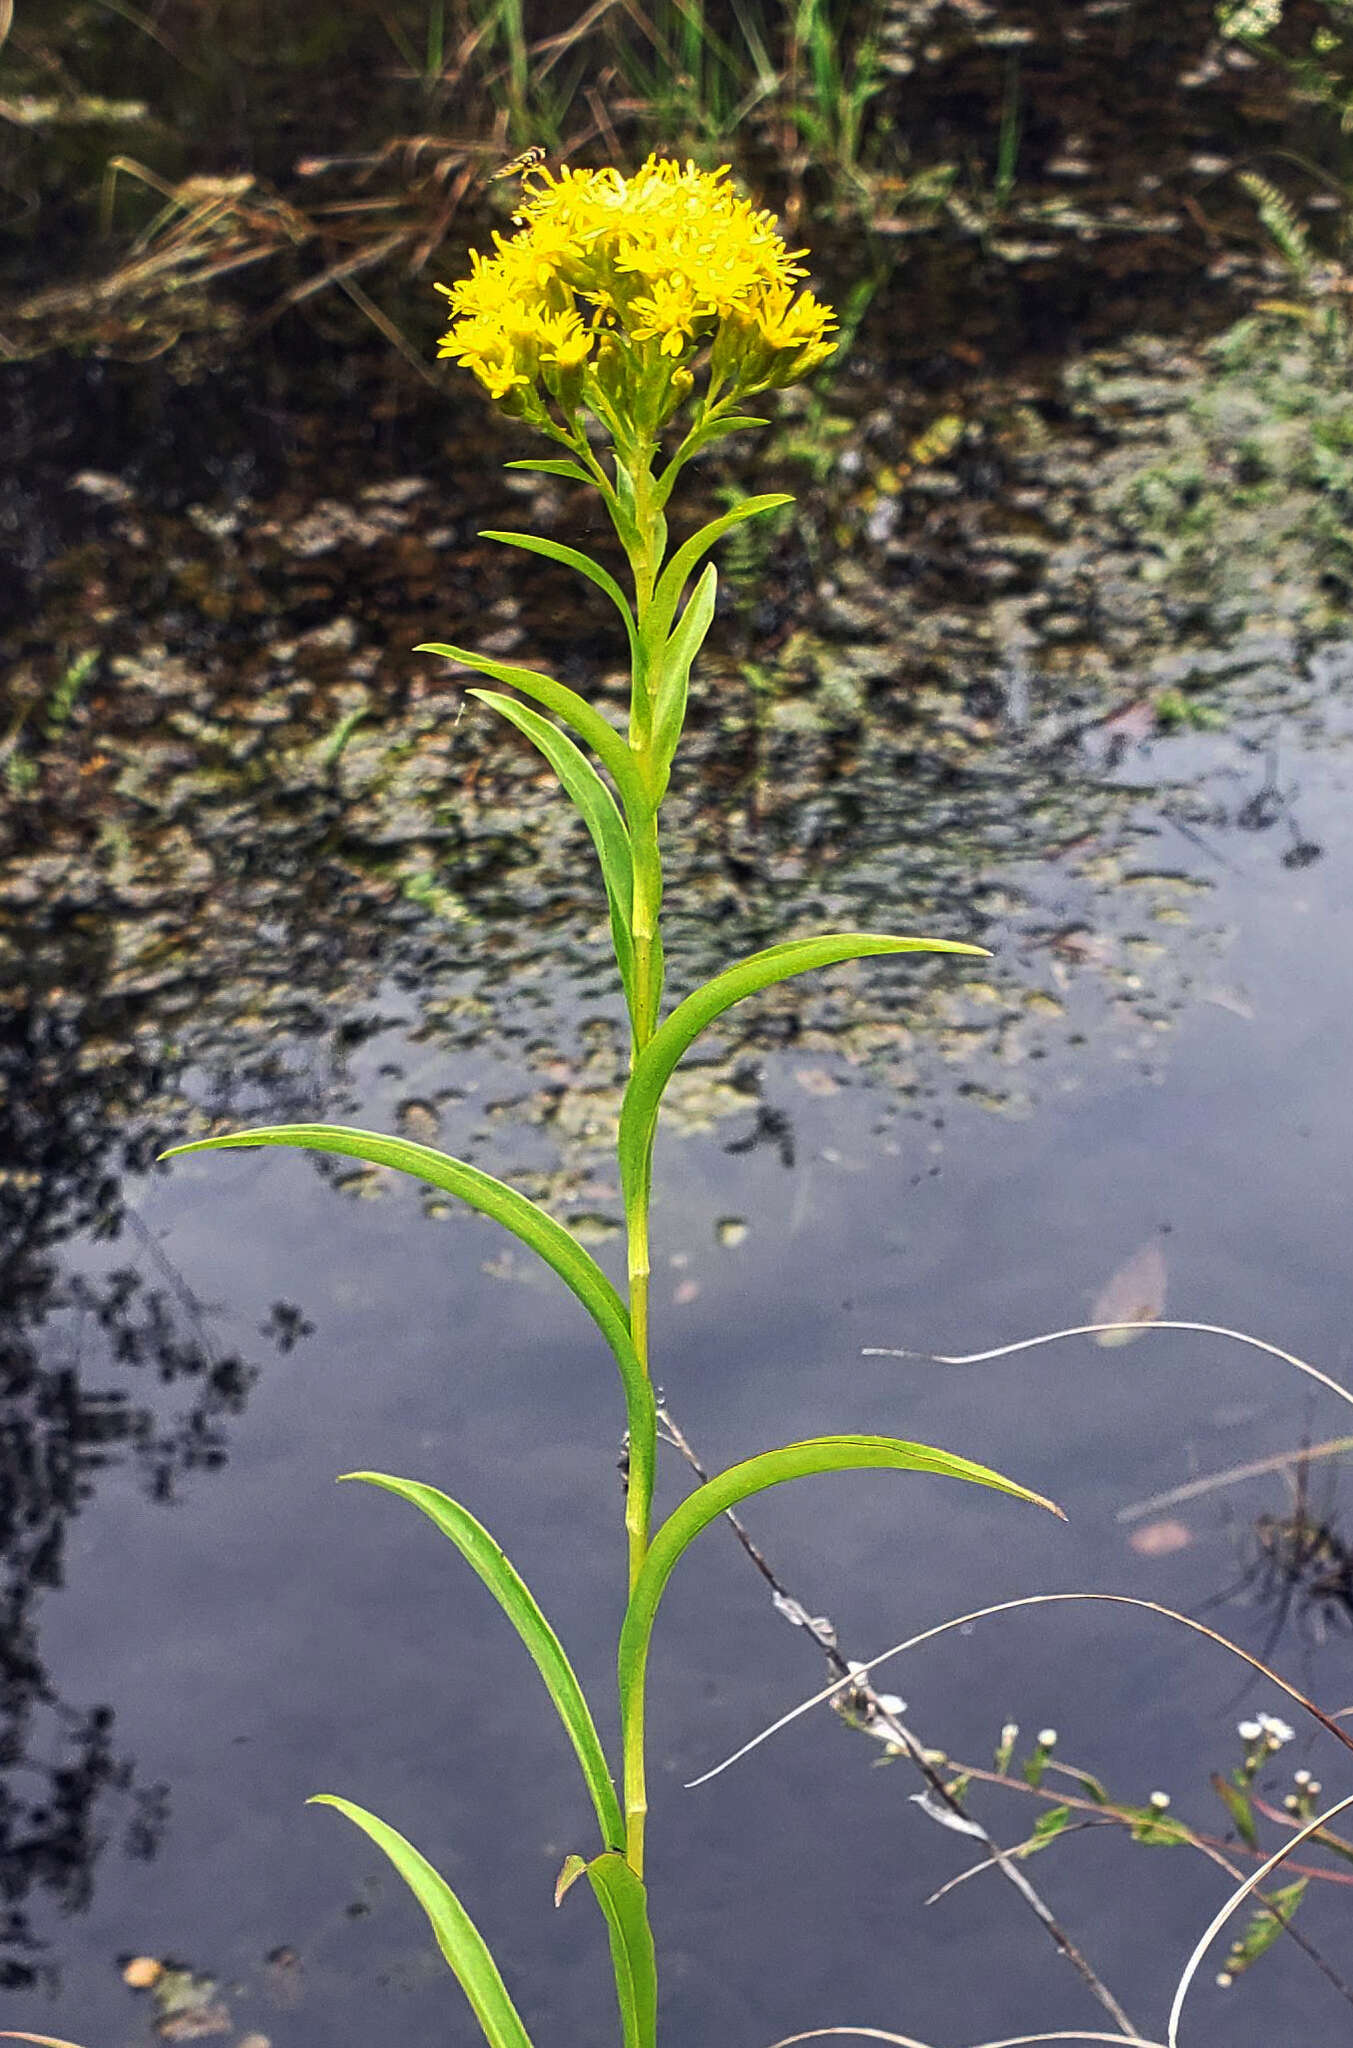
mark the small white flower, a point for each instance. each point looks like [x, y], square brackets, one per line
[1301, 1777]
[1047, 1738]
[1276, 1730]
[889, 1703]
[1249, 1731]
[1010, 1735]
[1224, 1980]
[1160, 1800]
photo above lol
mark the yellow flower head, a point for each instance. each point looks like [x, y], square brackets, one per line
[660, 266]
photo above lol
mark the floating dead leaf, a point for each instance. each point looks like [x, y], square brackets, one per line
[188, 2008]
[253, 2041]
[1134, 721]
[139, 1973]
[1231, 999]
[282, 1978]
[816, 1081]
[1134, 1294]
[1160, 1539]
[731, 1231]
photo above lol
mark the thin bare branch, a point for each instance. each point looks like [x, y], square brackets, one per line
[1011, 2040]
[1213, 1481]
[1098, 1329]
[1007, 1607]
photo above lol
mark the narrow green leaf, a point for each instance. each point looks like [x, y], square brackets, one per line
[674, 671]
[555, 551]
[655, 1065]
[754, 1475]
[1237, 1804]
[599, 814]
[1047, 1828]
[534, 1226]
[1153, 1828]
[554, 466]
[1263, 1929]
[488, 1561]
[536, 1229]
[625, 1903]
[574, 711]
[457, 1936]
[674, 577]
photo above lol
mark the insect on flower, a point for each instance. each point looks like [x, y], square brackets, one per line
[527, 161]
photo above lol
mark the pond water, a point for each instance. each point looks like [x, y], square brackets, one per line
[270, 872]
[1158, 1053]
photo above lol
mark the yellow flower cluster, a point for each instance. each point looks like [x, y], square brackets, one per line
[612, 287]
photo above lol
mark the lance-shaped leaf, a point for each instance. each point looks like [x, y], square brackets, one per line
[555, 551]
[567, 706]
[536, 1229]
[655, 1065]
[754, 1475]
[554, 466]
[599, 813]
[534, 1226]
[518, 1603]
[673, 672]
[625, 1903]
[457, 1936]
[673, 579]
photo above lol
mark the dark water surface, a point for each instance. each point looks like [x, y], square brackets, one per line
[263, 873]
[261, 1635]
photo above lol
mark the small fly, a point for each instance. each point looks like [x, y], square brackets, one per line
[529, 160]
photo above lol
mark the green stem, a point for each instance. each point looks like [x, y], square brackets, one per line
[644, 546]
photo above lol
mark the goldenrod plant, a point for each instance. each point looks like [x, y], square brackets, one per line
[629, 320]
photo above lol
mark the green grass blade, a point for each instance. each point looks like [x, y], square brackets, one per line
[674, 577]
[536, 1229]
[555, 551]
[754, 1475]
[514, 1596]
[655, 1066]
[457, 1936]
[567, 706]
[599, 814]
[674, 670]
[624, 1901]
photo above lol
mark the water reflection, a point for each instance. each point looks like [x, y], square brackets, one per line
[272, 872]
[78, 1342]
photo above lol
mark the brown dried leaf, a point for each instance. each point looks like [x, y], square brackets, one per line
[1160, 1539]
[1134, 1294]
